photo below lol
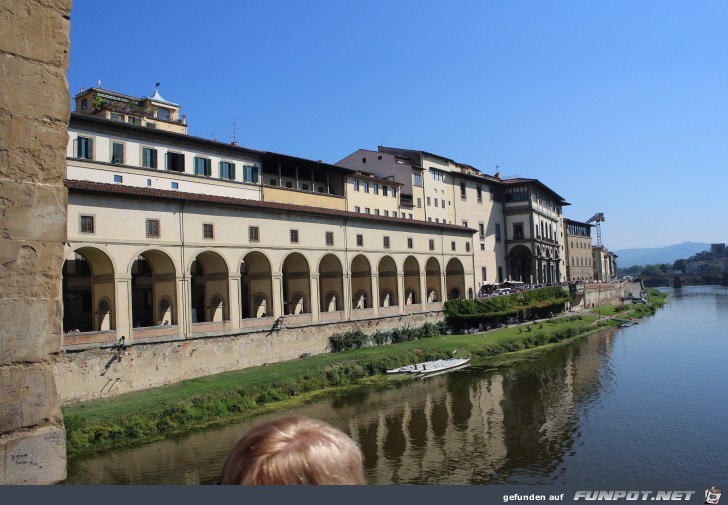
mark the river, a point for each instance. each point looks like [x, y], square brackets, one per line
[639, 406]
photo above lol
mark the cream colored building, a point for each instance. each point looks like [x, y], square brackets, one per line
[604, 264]
[172, 236]
[578, 242]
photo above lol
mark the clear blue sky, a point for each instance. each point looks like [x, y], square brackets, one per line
[619, 106]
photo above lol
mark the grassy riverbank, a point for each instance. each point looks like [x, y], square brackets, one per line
[153, 414]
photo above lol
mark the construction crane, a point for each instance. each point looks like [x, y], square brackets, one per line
[597, 218]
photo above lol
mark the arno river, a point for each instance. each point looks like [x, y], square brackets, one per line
[634, 408]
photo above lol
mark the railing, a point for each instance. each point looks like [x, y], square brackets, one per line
[135, 110]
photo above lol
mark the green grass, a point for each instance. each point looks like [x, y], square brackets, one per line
[152, 414]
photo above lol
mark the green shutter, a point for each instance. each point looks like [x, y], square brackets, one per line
[89, 148]
[232, 171]
[219, 167]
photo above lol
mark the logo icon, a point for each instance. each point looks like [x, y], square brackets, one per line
[712, 495]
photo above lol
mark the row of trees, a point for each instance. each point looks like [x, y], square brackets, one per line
[679, 266]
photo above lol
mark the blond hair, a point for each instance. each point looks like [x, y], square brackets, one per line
[294, 450]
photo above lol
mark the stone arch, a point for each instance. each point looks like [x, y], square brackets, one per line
[296, 284]
[209, 288]
[454, 279]
[153, 277]
[87, 279]
[331, 283]
[411, 268]
[433, 278]
[519, 264]
[361, 282]
[256, 286]
[388, 282]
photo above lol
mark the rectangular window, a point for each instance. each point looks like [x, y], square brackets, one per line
[463, 195]
[484, 274]
[356, 184]
[437, 175]
[251, 173]
[357, 209]
[174, 185]
[394, 192]
[417, 179]
[208, 231]
[419, 203]
[437, 220]
[294, 236]
[87, 224]
[227, 170]
[482, 246]
[203, 166]
[115, 116]
[443, 204]
[500, 274]
[497, 233]
[386, 213]
[289, 184]
[384, 191]
[410, 216]
[432, 244]
[176, 162]
[394, 213]
[479, 191]
[366, 187]
[134, 120]
[366, 210]
[253, 234]
[360, 240]
[304, 187]
[429, 201]
[149, 182]
[435, 201]
[118, 178]
[429, 219]
[329, 238]
[481, 229]
[465, 223]
[152, 228]
[117, 153]
[518, 231]
[376, 212]
[467, 246]
[149, 157]
[375, 188]
[410, 243]
[273, 182]
[386, 242]
[452, 245]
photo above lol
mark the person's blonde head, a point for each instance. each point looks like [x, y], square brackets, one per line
[294, 450]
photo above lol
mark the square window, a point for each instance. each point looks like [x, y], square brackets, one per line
[329, 238]
[175, 185]
[366, 210]
[176, 162]
[410, 243]
[152, 228]
[118, 178]
[251, 173]
[203, 166]
[273, 182]
[85, 148]
[465, 224]
[357, 209]
[304, 187]
[432, 245]
[87, 224]
[208, 231]
[227, 170]
[386, 242]
[294, 236]
[134, 120]
[253, 234]
[386, 213]
[360, 240]
[376, 212]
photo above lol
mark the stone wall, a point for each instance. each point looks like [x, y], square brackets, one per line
[34, 112]
[111, 370]
[596, 295]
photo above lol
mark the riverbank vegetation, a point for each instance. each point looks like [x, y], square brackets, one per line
[144, 416]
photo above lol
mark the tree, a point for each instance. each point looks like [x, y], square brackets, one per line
[680, 265]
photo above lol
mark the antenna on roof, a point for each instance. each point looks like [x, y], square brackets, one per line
[234, 135]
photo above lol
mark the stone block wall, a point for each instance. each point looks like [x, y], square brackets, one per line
[110, 371]
[34, 113]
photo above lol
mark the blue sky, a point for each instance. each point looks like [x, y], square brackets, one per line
[619, 106]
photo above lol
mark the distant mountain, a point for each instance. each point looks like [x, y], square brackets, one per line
[651, 256]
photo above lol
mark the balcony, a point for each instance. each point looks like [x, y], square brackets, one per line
[131, 109]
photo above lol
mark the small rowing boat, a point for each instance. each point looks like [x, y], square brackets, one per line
[428, 367]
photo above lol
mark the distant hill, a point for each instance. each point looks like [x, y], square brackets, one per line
[651, 256]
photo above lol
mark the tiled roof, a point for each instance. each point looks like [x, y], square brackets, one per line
[162, 194]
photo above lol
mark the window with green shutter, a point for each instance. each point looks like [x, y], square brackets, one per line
[227, 170]
[203, 166]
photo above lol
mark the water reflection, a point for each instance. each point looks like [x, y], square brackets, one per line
[550, 419]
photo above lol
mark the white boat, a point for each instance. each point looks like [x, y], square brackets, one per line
[428, 367]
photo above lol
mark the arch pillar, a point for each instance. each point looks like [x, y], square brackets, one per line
[400, 291]
[443, 286]
[184, 312]
[375, 292]
[423, 290]
[277, 294]
[122, 291]
[348, 295]
[315, 301]
[234, 310]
